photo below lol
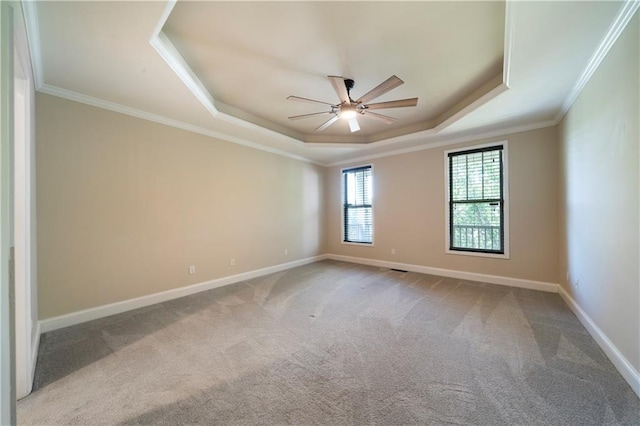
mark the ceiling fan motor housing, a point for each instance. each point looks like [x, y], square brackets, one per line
[349, 84]
[349, 109]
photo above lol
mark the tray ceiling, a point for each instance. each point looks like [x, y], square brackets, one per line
[251, 56]
[224, 69]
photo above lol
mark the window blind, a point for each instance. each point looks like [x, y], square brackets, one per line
[357, 205]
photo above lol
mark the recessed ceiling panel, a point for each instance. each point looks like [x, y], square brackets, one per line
[252, 55]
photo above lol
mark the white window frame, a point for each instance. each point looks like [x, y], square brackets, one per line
[505, 191]
[342, 195]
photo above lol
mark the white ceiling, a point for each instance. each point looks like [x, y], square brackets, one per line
[253, 55]
[225, 68]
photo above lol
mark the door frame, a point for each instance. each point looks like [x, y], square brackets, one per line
[7, 337]
[27, 332]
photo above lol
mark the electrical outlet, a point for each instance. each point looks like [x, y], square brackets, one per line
[232, 262]
[286, 252]
[576, 283]
[393, 251]
[192, 269]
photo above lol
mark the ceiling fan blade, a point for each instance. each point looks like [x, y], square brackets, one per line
[394, 104]
[380, 117]
[353, 124]
[298, 117]
[389, 84]
[327, 123]
[340, 88]
[298, 98]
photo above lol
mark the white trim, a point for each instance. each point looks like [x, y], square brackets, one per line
[31, 18]
[245, 124]
[176, 62]
[167, 51]
[620, 362]
[505, 190]
[509, 37]
[441, 141]
[450, 140]
[35, 347]
[504, 256]
[122, 109]
[164, 17]
[79, 317]
[7, 354]
[470, 276]
[29, 8]
[165, 48]
[432, 132]
[468, 109]
[35, 344]
[625, 14]
[23, 211]
[350, 243]
[25, 238]
[625, 368]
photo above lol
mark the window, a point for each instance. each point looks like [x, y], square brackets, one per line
[357, 211]
[476, 205]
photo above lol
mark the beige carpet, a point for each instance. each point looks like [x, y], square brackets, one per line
[333, 343]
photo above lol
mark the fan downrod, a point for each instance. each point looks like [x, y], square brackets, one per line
[348, 83]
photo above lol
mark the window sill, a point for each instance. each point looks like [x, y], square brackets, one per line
[478, 254]
[348, 243]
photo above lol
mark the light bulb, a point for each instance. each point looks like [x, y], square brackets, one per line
[348, 111]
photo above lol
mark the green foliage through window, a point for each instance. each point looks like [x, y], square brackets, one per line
[476, 200]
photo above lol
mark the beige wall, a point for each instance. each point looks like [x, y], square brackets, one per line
[599, 157]
[126, 205]
[409, 210]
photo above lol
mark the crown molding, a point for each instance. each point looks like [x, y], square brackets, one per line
[167, 51]
[165, 48]
[246, 124]
[30, 12]
[489, 90]
[432, 139]
[450, 140]
[176, 62]
[480, 96]
[474, 101]
[164, 17]
[509, 37]
[22, 45]
[625, 14]
[144, 115]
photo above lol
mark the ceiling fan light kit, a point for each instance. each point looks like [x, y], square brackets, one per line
[349, 109]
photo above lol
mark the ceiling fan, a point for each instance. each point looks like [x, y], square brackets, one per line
[349, 109]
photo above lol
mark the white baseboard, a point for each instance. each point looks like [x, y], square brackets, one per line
[471, 276]
[74, 318]
[621, 363]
